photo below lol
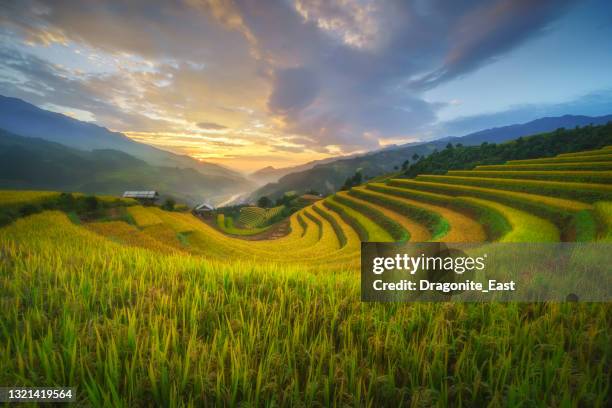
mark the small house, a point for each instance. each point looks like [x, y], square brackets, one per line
[145, 197]
[203, 210]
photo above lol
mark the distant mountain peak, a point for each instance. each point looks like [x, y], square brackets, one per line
[264, 169]
[24, 119]
[329, 176]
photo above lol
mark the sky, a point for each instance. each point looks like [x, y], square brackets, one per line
[250, 84]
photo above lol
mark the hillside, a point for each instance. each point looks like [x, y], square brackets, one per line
[329, 177]
[503, 133]
[183, 304]
[31, 163]
[22, 118]
[459, 157]
[270, 174]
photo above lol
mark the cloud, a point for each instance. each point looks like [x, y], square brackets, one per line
[211, 126]
[290, 149]
[360, 68]
[293, 90]
[45, 84]
[352, 22]
[337, 76]
[486, 32]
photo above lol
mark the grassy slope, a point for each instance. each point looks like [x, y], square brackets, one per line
[375, 232]
[174, 310]
[461, 228]
[226, 224]
[179, 328]
[417, 232]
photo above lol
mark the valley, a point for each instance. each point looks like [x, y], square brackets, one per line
[159, 304]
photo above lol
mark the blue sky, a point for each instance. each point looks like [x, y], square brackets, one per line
[280, 82]
[566, 69]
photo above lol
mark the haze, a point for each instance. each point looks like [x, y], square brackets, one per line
[249, 84]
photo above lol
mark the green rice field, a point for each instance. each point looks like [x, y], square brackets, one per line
[167, 310]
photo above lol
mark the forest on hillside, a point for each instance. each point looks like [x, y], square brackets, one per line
[459, 157]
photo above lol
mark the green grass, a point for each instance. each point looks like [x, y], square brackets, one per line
[395, 230]
[584, 226]
[175, 312]
[454, 226]
[566, 159]
[20, 203]
[333, 222]
[16, 198]
[356, 220]
[603, 214]
[556, 209]
[587, 165]
[605, 150]
[316, 221]
[598, 177]
[587, 192]
[144, 216]
[435, 224]
[138, 328]
[226, 224]
[425, 196]
[256, 217]
[183, 238]
[501, 222]
[251, 217]
[507, 224]
[302, 223]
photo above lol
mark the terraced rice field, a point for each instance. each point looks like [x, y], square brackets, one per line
[227, 225]
[10, 198]
[254, 217]
[172, 311]
[581, 165]
[600, 177]
[143, 216]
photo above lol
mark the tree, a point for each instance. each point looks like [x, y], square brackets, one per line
[527, 147]
[66, 201]
[91, 203]
[29, 209]
[264, 202]
[353, 181]
[415, 157]
[169, 204]
[347, 184]
[449, 146]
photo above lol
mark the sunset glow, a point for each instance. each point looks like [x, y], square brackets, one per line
[281, 83]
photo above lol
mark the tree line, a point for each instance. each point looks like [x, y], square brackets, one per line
[459, 157]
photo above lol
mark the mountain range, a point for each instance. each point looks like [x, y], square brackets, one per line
[40, 149]
[329, 177]
[27, 126]
[270, 174]
[24, 119]
[38, 164]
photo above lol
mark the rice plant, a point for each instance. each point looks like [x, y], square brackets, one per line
[143, 328]
[172, 311]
